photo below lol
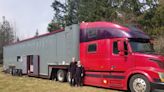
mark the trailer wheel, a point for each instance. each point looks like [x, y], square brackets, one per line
[61, 75]
[68, 77]
[139, 83]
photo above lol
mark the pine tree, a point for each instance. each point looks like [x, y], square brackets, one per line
[6, 35]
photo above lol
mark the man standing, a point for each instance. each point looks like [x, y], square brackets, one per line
[72, 70]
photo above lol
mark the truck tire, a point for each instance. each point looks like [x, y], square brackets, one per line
[61, 75]
[68, 77]
[139, 83]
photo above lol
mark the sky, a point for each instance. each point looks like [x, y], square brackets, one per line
[27, 15]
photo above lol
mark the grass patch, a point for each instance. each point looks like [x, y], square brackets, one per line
[10, 83]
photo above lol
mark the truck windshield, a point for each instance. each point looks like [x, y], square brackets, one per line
[141, 45]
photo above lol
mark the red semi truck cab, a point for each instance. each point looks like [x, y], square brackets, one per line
[119, 57]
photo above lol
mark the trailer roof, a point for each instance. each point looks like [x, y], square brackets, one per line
[36, 37]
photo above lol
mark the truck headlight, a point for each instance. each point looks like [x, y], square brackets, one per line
[161, 75]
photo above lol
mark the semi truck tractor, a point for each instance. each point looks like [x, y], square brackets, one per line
[113, 56]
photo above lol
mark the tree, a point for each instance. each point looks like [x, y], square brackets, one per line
[36, 33]
[52, 26]
[146, 13]
[74, 11]
[6, 35]
[17, 39]
[58, 19]
[152, 20]
[65, 14]
[71, 16]
[95, 10]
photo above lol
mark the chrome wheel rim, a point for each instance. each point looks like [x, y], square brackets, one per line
[139, 85]
[60, 76]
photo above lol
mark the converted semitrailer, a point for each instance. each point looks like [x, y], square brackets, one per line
[113, 56]
[34, 55]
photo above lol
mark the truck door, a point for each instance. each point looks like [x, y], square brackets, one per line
[120, 60]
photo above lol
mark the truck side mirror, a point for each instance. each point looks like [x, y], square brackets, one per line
[121, 48]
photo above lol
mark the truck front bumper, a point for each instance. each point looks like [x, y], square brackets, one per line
[157, 85]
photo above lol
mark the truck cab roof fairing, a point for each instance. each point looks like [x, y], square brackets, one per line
[90, 31]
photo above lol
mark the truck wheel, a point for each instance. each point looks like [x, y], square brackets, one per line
[61, 75]
[68, 77]
[139, 83]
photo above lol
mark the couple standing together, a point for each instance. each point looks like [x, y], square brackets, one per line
[76, 73]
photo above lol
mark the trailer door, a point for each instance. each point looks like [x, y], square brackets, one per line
[24, 65]
[36, 65]
[33, 65]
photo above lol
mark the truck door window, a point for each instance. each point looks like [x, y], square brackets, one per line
[115, 47]
[92, 48]
[125, 48]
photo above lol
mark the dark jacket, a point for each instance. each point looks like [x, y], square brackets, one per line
[72, 67]
[79, 71]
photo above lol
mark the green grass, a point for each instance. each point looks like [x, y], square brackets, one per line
[10, 83]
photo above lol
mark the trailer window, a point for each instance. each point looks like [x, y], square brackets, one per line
[18, 58]
[92, 48]
[115, 47]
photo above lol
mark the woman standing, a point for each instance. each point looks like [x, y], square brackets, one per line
[79, 74]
